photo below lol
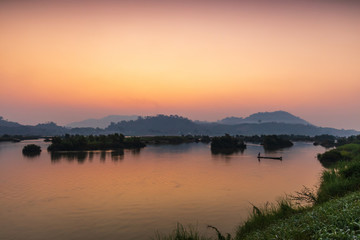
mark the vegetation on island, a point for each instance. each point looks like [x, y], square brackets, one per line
[342, 153]
[274, 142]
[16, 138]
[227, 144]
[331, 212]
[324, 140]
[329, 141]
[8, 138]
[101, 142]
[31, 150]
[116, 141]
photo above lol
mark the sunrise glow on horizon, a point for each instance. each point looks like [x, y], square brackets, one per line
[204, 60]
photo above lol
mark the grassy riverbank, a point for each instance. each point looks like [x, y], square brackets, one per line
[333, 213]
[335, 219]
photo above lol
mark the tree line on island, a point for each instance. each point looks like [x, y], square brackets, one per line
[226, 144]
[100, 142]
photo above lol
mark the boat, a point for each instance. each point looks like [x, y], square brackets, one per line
[276, 158]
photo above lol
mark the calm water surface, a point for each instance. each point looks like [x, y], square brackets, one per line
[130, 195]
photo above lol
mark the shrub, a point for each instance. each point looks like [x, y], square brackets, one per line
[31, 150]
[273, 142]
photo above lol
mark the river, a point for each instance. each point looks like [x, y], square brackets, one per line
[110, 195]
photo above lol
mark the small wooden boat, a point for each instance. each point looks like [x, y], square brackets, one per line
[276, 158]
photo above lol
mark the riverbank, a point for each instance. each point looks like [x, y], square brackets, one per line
[336, 219]
[333, 212]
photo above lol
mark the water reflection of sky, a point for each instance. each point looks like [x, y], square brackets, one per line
[130, 194]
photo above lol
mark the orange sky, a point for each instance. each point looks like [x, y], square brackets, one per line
[205, 60]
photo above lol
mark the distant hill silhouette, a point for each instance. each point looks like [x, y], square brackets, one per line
[6, 123]
[265, 117]
[44, 129]
[101, 122]
[156, 125]
[177, 125]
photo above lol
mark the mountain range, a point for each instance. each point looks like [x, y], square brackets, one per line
[266, 123]
[265, 117]
[261, 117]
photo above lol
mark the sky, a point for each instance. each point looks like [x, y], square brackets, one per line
[66, 61]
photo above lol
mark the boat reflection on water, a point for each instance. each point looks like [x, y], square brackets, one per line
[268, 157]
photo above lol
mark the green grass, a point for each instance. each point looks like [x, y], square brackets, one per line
[267, 215]
[181, 233]
[335, 219]
[343, 177]
[348, 152]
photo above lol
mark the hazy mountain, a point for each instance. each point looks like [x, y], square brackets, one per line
[266, 117]
[175, 125]
[101, 122]
[48, 129]
[6, 123]
[44, 129]
[156, 125]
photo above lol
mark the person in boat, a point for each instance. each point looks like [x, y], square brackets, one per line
[258, 154]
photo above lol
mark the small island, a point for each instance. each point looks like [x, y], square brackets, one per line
[227, 144]
[274, 142]
[31, 150]
[91, 142]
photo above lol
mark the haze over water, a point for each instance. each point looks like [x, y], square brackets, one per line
[102, 195]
